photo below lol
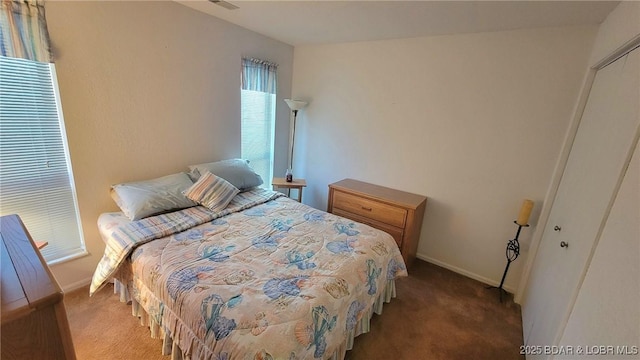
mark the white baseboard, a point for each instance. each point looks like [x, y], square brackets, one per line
[464, 272]
[76, 285]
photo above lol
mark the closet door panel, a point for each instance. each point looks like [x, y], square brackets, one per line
[607, 311]
[598, 157]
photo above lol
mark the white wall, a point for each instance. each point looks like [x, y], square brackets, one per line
[148, 88]
[475, 122]
[619, 28]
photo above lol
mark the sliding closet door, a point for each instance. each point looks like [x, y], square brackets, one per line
[609, 294]
[600, 152]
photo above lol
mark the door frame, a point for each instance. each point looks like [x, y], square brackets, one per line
[557, 177]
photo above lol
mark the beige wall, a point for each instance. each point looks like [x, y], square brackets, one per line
[475, 122]
[148, 88]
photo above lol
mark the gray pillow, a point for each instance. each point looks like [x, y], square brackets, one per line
[140, 199]
[236, 171]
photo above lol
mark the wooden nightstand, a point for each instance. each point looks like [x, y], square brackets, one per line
[295, 184]
[395, 212]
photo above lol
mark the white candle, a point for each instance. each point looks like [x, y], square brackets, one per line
[525, 212]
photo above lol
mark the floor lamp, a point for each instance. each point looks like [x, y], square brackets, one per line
[294, 105]
[513, 246]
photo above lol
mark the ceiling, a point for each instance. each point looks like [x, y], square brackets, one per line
[319, 21]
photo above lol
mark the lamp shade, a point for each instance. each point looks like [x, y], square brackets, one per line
[296, 104]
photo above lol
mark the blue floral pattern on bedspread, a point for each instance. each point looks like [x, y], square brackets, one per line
[278, 280]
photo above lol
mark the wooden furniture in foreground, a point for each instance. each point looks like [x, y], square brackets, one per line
[34, 320]
[41, 244]
[295, 184]
[393, 211]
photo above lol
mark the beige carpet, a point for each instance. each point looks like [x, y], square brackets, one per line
[437, 315]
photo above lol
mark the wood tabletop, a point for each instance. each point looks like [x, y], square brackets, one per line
[282, 182]
[386, 194]
[26, 282]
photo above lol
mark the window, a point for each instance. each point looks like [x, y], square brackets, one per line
[258, 109]
[36, 181]
[258, 128]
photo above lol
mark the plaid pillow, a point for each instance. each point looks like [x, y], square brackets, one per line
[212, 191]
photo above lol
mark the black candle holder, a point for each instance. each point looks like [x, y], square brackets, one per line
[512, 252]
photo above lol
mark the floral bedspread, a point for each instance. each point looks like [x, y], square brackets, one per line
[279, 280]
[122, 236]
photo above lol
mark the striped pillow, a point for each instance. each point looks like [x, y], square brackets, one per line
[212, 191]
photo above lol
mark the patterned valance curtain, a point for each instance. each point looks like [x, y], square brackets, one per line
[23, 30]
[259, 75]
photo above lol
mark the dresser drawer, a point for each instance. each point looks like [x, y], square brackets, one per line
[371, 209]
[395, 232]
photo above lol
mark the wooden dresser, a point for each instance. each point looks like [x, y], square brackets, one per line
[34, 320]
[393, 211]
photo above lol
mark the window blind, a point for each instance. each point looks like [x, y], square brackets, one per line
[257, 132]
[36, 181]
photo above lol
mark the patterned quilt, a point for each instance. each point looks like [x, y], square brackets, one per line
[275, 280]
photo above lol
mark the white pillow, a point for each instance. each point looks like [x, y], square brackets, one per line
[236, 171]
[140, 199]
[212, 191]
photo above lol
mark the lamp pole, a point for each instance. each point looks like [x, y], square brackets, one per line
[294, 105]
[293, 139]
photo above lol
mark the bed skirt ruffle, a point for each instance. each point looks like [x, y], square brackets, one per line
[179, 341]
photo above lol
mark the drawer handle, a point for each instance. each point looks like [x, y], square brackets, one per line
[366, 208]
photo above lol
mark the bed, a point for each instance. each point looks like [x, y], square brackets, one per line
[264, 278]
